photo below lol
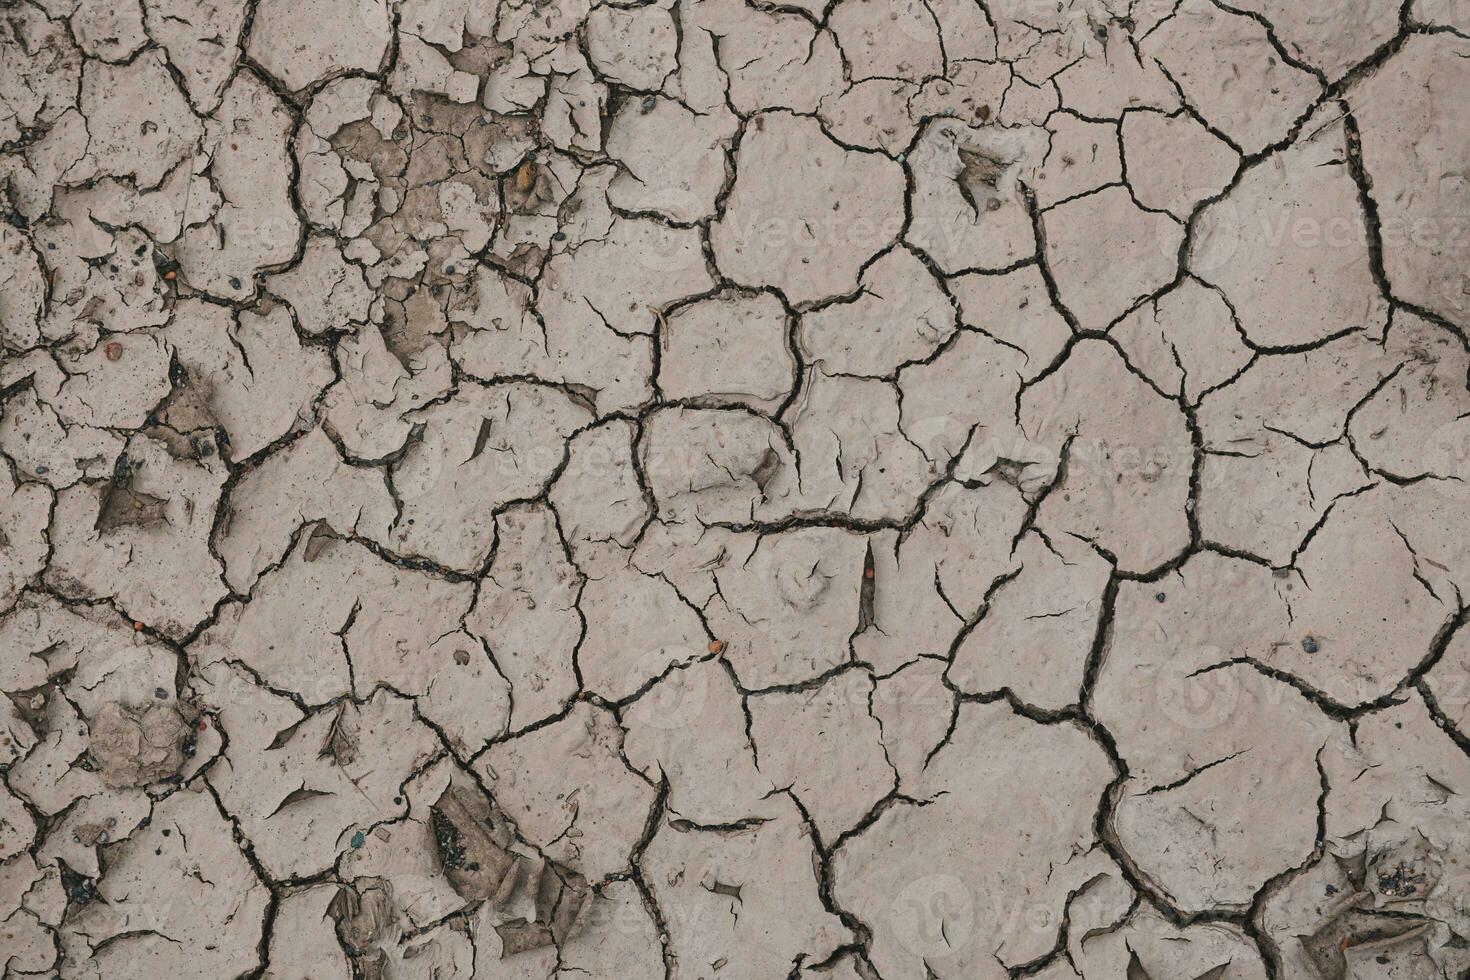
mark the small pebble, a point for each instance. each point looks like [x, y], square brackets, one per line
[1159, 597]
[1310, 645]
[113, 350]
[359, 839]
[715, 646]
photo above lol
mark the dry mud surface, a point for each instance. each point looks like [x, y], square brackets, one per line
[735, 490]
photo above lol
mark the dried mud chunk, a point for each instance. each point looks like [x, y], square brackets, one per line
[969, 533]
[900, 316]
[1200, 843]
[302, 786]
[1015, 309]
[714, 465]
[1022, 797]
[636, 626]
[161, 573]
[1174, 162]
[731, 347]
[21, 302]
[805, 214]
[617, 938]
[326, 291]
[826, 747]
[1186, 341]
[1082, 158]
[1106, 254]
[334, 613]
[1038, 628]
[117, 384]
[1172, 694]
[1304, 274]
[261, 380]
[119, 288]
[1262, 486]
[674, 161]
[1223, 760]
[904, 613]
[138, 122]
[527, 612]
[888, 39]
[964, 402]
[742, 903]
[307, 481]
[786, 612]
[137, 746]
[181, 903]
[967, 213]
[1445, 12]
[47, 452]
[39, 68]
[109, 31]
[854, 456]
[637, 47]
[1125, 479]
[1105, 87]
[304, 43]
[17, 827]
[690, 723]
[1331, 39]
[569, 792]
[1409, 427]
[200, 37]
[1228, 70]
[598, 498]
[872, 114]
[484, 448]
[617, 282]
[1368, 605]
[24, 516]
[772, 59]
[914, 708]
[254, 225]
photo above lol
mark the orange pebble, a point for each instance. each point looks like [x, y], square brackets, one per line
[715, 646]
[137, 626]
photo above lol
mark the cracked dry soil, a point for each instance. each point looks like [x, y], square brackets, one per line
[728, 490]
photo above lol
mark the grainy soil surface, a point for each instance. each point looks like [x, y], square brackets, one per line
[735, 490]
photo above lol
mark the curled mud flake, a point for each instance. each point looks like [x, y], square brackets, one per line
[481, 856]
[365, 916]
[473, 841]
[125, 507]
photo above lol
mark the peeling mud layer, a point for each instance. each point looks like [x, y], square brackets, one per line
[730, 490]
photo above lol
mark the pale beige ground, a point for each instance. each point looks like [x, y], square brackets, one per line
[730, 490]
